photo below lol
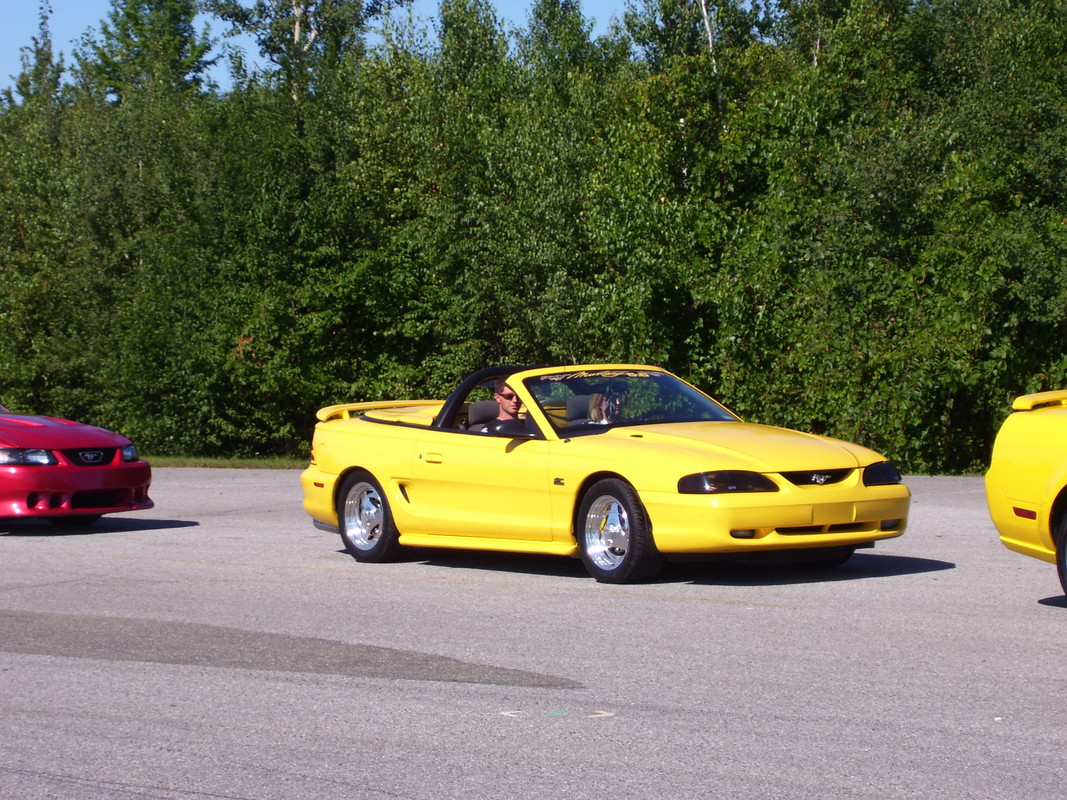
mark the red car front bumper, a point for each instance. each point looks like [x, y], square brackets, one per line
[65, 490]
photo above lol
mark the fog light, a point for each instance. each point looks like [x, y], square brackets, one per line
[745, 533]
[889, 524]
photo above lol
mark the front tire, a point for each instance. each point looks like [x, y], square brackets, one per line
[79, 521]
[614, 534]
[365, 520]
[827, 556]
[1059, 537]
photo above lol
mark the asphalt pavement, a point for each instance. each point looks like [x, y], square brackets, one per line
[219, 646]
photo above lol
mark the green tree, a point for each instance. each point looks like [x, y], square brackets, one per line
[308, 41]
[32, 218]
[146, 43]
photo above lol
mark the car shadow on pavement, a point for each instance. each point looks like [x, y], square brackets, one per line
[745, 573]
[718, 571]
[1057, 601]
[40, 527]
[530, 564]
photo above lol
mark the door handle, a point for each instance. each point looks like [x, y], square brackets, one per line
[433, 458]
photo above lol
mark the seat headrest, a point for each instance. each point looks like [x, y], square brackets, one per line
[578, 408]
[482, 411]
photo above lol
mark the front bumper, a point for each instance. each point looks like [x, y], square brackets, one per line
[771, 521]
[28, 492]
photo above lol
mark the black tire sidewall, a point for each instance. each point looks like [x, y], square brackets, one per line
[642, 560]
[1059, 539]
[387, 547]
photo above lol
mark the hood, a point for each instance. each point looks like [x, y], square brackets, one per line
[51, 433]
[744, 445]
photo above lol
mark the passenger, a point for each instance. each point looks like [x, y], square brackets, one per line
[596, 409]
[605, 407]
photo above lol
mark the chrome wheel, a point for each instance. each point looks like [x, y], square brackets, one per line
[363, 516]
[365, 520]
[606, 533]
[614, 535]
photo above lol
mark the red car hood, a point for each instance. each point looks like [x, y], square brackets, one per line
[50, 433]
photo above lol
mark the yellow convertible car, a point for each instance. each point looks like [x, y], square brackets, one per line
[621, 465]
[1026, 485]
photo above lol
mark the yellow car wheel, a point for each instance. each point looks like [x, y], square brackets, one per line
[614, 535]
[365, 520]
[1059, 537]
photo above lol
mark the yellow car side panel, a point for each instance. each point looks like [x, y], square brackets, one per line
[354, 443]
[472, 485]
[1027, 472]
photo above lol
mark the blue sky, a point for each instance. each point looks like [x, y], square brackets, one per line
[71, 18]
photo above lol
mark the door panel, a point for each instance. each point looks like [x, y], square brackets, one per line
[466, 484]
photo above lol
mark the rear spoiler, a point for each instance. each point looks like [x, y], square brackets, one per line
[349, 410]
[1030, 402]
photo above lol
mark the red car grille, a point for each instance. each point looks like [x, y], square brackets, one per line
[91, 457]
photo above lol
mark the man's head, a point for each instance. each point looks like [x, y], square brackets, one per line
[508, 400]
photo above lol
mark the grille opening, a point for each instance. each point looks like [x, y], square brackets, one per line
[91, 457]
[817, 477]
[840, 527]
[850, 527]
[800, 530]
[97, 500]
[42, 501]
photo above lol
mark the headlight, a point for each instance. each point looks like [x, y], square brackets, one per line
[881, 474]
[726, 481]
[129, 453]
[19, 456]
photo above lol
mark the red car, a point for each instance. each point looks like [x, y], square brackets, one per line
[67, 472]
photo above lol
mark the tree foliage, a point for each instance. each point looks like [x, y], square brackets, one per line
[844, 216]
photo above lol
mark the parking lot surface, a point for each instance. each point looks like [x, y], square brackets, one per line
[219, 646]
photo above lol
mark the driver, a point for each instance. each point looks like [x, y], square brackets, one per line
[507, 399]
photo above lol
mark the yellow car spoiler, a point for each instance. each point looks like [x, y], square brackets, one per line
[349, 410]
[1029, 402]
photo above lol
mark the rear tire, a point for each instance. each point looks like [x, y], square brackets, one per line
[1059, 537]
[614, 534]
[365, 520]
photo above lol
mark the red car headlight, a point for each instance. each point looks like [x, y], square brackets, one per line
[18, 456]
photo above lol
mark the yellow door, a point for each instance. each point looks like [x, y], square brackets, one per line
[464, 484]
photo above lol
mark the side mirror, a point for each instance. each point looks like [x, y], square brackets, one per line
[510, 429]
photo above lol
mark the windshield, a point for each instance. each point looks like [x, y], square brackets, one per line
[592, 400]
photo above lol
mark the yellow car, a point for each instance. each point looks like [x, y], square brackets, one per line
[619, 464]
[1026, 485]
